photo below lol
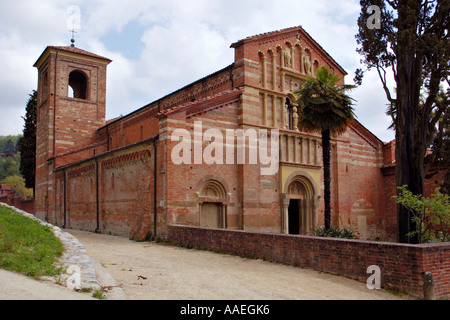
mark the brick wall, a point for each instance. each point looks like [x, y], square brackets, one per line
[22, 204]
[401, 265]
[117, 187]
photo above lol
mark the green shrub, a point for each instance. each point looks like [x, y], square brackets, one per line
[334, 233]
[431, 214]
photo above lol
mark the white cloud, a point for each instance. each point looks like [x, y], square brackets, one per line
[179, 42]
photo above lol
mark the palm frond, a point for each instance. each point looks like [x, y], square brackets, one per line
[324, 105]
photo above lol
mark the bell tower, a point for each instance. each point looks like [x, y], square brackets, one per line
[71, 107]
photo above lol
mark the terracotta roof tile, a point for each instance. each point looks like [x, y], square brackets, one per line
[267, 34]
[79, 51]
[205, 104]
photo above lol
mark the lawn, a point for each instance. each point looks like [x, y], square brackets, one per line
[26, 246]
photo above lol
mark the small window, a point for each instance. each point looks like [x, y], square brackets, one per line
[289, 115]
[44, 88]
[45, 81]
[77, 85]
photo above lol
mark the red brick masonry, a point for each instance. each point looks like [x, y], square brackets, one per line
[25, 205]
[402, 265]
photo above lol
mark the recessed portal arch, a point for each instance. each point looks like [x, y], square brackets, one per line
[212, 199]
[300, 201]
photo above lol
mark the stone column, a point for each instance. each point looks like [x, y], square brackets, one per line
[274, 111]
[295, 150]
[282, 148]
[265, 108]
[301, 61]
[264, 72]
[293, 57]
[285, 213]
[288, 149]
[274, 71]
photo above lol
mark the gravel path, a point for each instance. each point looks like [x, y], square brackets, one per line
[126, 269]
[146, 270]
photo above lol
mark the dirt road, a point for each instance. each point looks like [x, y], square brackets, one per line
[154, 271]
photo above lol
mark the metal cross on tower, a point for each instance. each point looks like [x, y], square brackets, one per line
[73, 37]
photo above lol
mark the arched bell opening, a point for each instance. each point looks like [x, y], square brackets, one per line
[78, 85]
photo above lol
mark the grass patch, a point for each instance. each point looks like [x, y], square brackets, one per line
[26, 246]
[98, 294]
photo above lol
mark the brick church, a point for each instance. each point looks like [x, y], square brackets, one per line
[119, 177]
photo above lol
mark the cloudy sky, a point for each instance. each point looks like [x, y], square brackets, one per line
[160, 46]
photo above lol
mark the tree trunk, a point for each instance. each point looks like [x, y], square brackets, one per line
[326, 157]
[408, 155]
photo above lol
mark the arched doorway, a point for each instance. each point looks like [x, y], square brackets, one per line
[299, 206]
[212, 201]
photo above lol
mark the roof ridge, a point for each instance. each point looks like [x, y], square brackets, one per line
[265, 34]
[166, 112]
[79, 51]
[299, 29]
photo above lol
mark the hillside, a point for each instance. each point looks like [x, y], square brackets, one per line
[9, 156]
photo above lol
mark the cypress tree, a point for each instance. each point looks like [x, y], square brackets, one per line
[27, 143]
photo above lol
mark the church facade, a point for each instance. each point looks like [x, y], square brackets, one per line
[188, 157]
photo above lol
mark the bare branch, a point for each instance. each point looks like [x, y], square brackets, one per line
[393, 4]
[384, 82]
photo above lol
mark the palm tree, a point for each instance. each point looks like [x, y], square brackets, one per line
[325, 107]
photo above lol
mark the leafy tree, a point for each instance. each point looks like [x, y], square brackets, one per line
[11, 145]
[10, 149]
[18, 185]
[431, 214]
[325, 107]
[27, 143]
[8, 167]
[413, 43]
[440, 157]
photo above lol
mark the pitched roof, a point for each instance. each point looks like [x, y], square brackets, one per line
[70, 49]
[79, 51]
[266, 35]
[205, 104]
[286, 31]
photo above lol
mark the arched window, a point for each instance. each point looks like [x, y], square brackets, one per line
[316, 66]
[289, 115]
[77, 85]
